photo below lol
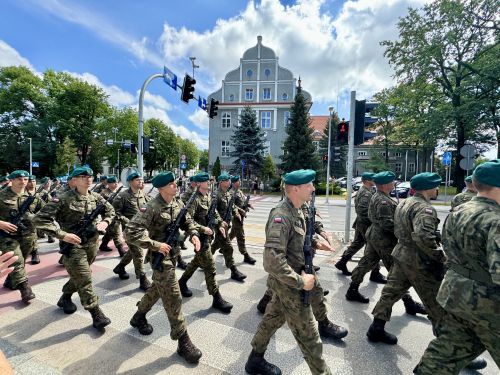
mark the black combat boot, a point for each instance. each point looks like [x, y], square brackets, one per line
[185, 291]
[183, 245]
[181, 263]
[477, 364]
[261, 306]
[60, 261]
[140, 322]
[329, 330]
[413, 307]
[186, 349]
[144, 282]
[120, 271]
[354, 295]
[248, 259]
[35, 259]
[377, 333]
[377, 277]
[237, 275]
[99, 320]
[257, 365]
[121, 251]
[66, 304]
[326, 292]
[50, 239]
[342, 266]
[26, 292]
[221, 304]
[8, 283]
[104, 247]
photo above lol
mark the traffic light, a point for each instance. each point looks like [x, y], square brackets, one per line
[148, 145]
[336, 154]
[325, 158]
[188, 88]
[343, 132]
[133, 149]
[214, 106]
[359, 122]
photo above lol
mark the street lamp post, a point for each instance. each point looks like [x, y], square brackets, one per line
[193, 64]
[330, 109]
[31, 157]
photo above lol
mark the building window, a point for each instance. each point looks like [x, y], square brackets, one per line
[226, 120]
[286, 118]
[398, 167]
[396, 154]
[249, 73]
[316, 145]
[225, 149]
[284, 96]
[231, 98]
[267, 94]
[362, 153]
[267, 73]
[267, 148]
[383, 153]
[265, 119]
[248, 94]
[411, 167]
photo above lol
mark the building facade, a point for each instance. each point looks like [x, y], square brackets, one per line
[269, 89]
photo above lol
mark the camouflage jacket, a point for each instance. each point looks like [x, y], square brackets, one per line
[239, 201]
[416, 227]
[68, 210]
[99, 188]
[471, 240]
[187, 193]
[148, 228]
[106, 193]
[199, 210]
[11, 202]
[361, 204]
[127, 204]
[462, 198]
[283, 249]
[222, 203]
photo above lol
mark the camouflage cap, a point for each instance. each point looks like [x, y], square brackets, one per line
[162, 179]
[18, 173]
[112, 179]
[468, 179]
[132, 176]
[425, 181]
[201, 177]
[300, 176]
[82, 171]
[223, 177]
[487, 173]
[235, 178]
[384, 177]
[367, 176]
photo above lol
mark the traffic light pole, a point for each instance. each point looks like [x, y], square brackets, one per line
[350, 161]
[329, 155]
[140, 156]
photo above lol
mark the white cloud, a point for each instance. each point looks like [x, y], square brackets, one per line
[156, 100]
[200, 119]
[9, 56]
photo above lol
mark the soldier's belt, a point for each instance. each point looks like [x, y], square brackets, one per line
[481, 276]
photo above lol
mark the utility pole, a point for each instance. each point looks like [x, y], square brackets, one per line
[193, 64]
[350, 161]
[330, 109]
[31, 157]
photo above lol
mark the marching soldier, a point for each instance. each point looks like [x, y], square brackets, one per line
[18, 239]
[204, 258]
[68, 210]
[181, 246]
[45, 196]
[127, 204]
[469, 294]
[113, 230]
[4, 182]
[103, 183]
[31, 190]
[466, 196]
[237, 229]
[147, 229]
[222, 241]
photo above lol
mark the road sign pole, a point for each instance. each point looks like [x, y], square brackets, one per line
[350, 161]
[445, 183]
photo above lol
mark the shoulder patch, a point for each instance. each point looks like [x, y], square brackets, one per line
[428, 210]
[278, 220]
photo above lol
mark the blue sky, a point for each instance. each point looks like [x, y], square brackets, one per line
[331, 44]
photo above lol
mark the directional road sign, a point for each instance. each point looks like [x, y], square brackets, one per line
[447, 158]
[170, 78]
[35, 164]
[183, 165]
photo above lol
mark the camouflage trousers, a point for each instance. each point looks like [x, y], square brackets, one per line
[401, 278]
[77, 263]
[238, 231]
[112, 233]
[166, 287]
[136, 255]
[460, 340]
[286, 306]
[204, 260]
[224, 244]
[358, 242]
[22, 246]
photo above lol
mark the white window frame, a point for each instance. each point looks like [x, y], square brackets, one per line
[411, 167]
[286, 118]
[316, 145]
[398, 167]
[248, 94]
[224, 148]
[231, 98]
[266, 120]
[226, 120]
[284, 96]
[266, 90]
[382, 153]
[362, 153]
[396, 154]
[267, 148]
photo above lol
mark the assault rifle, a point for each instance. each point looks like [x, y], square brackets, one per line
[210, 219]
[308, 251]
[172, 234]
[86, 229]
[16, 216]
[45, 195]
[229, 209]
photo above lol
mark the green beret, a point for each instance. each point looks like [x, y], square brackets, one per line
[191, 179]
[112, 179]
[300, 176]
[162, 179]
[18, 173]
[235, 178]
[4, 178]
[44, 180]
[367, 176]
[425, 181]
[468, 179]
[32, 177]
[69, 178]
[201, 177]
[82, 171]
[223, 177]
[384, 177]
[132, 176]
[103, 178]
[488, 173]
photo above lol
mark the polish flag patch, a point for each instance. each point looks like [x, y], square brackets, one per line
[278, 220]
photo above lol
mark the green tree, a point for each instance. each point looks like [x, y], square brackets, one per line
[299, 150]
[204, 160]
[376, 163]
[66, 157]
[188, 148]
[166, 152]
[268, 169]
[216, 171]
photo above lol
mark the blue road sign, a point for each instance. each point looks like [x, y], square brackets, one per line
[170, 78]
[184, 165]
[35, 164]
[447, 158]
[202, 103]
[243, 163]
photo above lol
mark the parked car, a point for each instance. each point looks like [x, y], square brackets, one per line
[357, 186]
[403, 190]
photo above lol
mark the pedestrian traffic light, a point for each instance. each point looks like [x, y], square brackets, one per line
[359, 122]
[148, 145]
[336, 154]
[343, 132]
[214, 106]
[188, 89]
[325, 158]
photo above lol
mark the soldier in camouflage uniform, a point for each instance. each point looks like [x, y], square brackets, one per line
[198, 210]
[68, 210]
[113, 230]
[237, 229]
[127, 204]
[222, 241]
[31, 189]
[103, 183]
[147, 229]
[470, 291]
[284, 261]
[45, 195]
[466, 196]
[4, 182]
[18, 239]
[360, 225]
[381, 239]
[181, 246]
